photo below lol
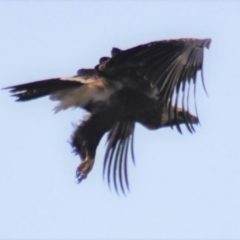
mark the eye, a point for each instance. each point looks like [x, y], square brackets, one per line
[180, 114]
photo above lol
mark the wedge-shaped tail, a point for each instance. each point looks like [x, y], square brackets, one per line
[33, 90]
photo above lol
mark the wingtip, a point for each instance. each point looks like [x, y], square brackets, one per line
[206, 42]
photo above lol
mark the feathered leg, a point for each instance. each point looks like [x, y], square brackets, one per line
[88, 135]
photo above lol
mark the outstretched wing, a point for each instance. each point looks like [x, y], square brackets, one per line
[161, 69]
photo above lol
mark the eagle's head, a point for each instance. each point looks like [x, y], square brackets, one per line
[180, 117]
[169, 119]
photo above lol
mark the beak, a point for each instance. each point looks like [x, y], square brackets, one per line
[193, 119]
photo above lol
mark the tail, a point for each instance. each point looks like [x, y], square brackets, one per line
[33, 90]
[76, 91]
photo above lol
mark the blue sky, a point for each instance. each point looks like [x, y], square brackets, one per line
[183, 186]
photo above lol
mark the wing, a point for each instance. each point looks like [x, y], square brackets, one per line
[165, 69]
[119, 139]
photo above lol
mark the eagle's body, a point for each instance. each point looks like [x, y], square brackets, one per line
[144, 84]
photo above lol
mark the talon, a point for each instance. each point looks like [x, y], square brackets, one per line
[83, 169]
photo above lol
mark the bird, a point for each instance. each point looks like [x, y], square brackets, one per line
[149, 84]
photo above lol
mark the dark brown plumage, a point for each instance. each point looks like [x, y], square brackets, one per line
[149, 84]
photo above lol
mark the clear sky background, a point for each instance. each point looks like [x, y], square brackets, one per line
[183, 186]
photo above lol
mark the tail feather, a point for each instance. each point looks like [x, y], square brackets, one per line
[33, 90]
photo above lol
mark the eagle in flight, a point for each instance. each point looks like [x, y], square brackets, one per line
[148, 84]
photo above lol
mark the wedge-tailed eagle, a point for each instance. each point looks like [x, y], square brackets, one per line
[149, 84]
